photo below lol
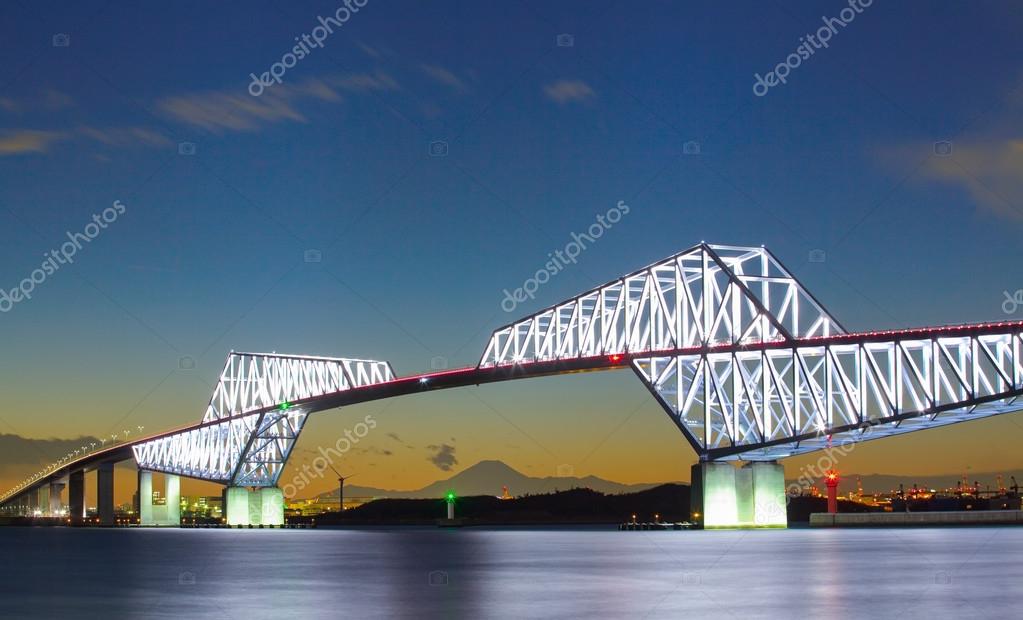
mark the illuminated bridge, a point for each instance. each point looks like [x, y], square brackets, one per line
[744, 360]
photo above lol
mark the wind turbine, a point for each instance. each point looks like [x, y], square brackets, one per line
[340, 488]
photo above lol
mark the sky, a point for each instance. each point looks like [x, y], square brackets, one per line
[379, 195]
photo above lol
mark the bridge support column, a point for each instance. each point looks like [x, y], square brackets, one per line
[172, 491]
[264, 506]
[76, 495]
[770, 505]
[42, 506]
[722, 496]
[54, 509]
[145, 497]
[105, 493]
[167, 514]
[236, 505]
[272, 509]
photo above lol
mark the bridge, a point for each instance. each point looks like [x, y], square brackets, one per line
[741, 357]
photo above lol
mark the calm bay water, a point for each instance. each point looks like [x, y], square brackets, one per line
[511, 573]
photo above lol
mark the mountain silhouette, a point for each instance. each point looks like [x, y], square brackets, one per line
[487, 478]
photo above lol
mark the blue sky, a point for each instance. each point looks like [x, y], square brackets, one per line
[417, 248]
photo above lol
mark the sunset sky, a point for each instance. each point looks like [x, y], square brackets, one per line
[379, 200]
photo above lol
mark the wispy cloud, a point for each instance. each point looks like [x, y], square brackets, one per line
[989, 170]
[125, 136]
[444, 76]
[987, 167]
[55, 100]
[443, 456]
[49, 100]
[567, 91]
[233, 110]
[992, 173]
[19, 142]
[216, 111]
[372, 52]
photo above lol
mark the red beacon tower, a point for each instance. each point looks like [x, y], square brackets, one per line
[831, 479]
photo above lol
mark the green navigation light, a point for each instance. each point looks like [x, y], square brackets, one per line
[451, 496]
[284, 406]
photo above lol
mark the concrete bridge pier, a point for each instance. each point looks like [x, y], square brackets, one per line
[55, 505]
[76, 495]
[42, 503]
[167, 514]
[28, 504]
[105, 493]
[261, 506]
[723, 496]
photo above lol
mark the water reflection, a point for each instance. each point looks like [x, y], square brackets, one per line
[509, 573]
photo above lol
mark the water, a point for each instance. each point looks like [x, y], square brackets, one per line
[510, 573]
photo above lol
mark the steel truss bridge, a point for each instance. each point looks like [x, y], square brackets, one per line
[742, 358]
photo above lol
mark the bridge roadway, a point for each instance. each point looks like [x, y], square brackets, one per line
[474, 375]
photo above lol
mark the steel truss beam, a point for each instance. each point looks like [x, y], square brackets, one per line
[748, 363]
[740, 355]
[705, 296]
[250, 427]
[768, 402]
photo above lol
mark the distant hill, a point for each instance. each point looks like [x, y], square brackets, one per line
[487, 478]
[669, 502]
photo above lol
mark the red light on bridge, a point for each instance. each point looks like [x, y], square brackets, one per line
[617, 357]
